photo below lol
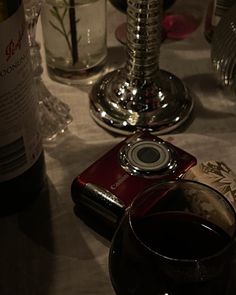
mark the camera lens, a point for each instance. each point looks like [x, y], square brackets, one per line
[148, 156]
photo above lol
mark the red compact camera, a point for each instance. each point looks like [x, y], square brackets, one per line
[108, 186]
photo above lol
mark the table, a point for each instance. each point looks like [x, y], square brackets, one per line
[47, 249]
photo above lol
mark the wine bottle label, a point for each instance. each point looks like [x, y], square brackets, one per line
[20, 140]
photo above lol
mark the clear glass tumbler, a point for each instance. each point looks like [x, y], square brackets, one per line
[74, 34]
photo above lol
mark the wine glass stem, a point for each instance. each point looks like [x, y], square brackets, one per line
[143, 38]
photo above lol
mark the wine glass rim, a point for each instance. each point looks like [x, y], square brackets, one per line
[183, 260]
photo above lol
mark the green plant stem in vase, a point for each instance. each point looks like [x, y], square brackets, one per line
[71, 35]
[73, 31]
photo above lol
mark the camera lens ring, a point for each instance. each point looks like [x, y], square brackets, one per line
[148, 156]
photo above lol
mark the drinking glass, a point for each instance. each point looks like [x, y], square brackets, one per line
[223, 56]
[75, 40]
[54, 114]
[176, 238]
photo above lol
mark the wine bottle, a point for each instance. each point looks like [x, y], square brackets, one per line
[22, 164]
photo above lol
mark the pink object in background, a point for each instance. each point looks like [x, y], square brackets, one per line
[179, 26]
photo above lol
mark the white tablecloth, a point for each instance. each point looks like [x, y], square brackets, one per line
[47, 250]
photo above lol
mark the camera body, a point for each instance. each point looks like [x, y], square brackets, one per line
[110, 184]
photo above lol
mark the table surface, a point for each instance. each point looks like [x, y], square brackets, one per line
[47, 249]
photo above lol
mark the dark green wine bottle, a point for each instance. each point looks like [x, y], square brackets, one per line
[22, 165]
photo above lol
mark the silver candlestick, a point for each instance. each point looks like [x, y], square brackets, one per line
[140, 95]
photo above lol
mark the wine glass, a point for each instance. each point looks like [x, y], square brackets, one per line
[54, 114]
[176, 238]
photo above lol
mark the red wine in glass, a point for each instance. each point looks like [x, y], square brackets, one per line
[168, 250]
[184, 231]
[177, 236]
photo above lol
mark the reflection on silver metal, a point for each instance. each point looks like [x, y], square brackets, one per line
[223, 49]
[101, 202]
[165, 163]
[140, 96]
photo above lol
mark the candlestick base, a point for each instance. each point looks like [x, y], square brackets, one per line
[123, 105]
